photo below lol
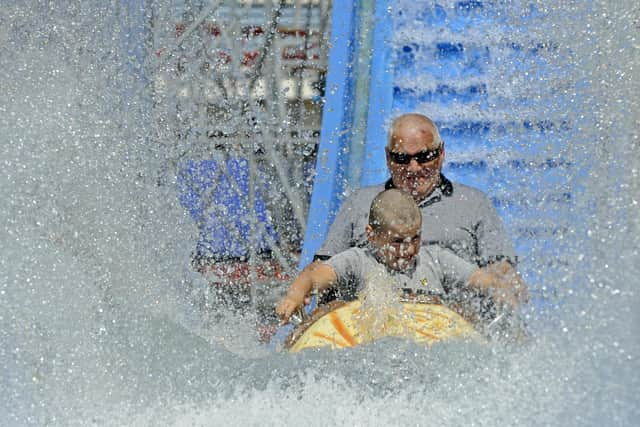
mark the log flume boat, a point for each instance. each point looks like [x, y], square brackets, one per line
[341, 324]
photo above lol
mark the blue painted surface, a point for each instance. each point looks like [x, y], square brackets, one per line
[337, 120]
[380, 99]
[218, 203]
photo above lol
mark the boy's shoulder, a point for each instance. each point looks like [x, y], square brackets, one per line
[350, 255]
[432, 251]
[435, 254]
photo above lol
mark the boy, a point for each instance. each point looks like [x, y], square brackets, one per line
[393, 235]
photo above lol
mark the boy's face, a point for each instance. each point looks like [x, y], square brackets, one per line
[397, 246]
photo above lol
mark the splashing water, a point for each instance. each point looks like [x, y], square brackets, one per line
[380, 302]
[95, 260]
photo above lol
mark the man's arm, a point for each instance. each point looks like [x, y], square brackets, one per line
[499, 281]
[493, 243]
[337, 240]
[317, 275]
[496, 255]
[340, 236]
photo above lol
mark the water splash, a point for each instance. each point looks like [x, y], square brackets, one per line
[95, 257]
[380, 303]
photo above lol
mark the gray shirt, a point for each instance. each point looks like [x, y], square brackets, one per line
[454, 216]
[437, 271]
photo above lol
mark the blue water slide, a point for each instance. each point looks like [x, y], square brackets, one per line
[427, 57]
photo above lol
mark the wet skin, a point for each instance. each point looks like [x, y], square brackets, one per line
[396, 246]
[417, 179]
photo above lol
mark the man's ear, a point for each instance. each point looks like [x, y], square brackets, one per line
[441, 157]
[369, 231]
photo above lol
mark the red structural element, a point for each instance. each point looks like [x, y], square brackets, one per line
[225, 57]
[212, 29]
[249, 58]
[239, 272]
[296, 32]
[292, 53]
[299, 52]
[252, 31]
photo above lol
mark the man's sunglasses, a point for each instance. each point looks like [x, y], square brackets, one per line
[424, 156]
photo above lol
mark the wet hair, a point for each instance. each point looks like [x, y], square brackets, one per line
[392, 208]
[414, 119]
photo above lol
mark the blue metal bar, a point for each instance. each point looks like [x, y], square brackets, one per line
[336, 129]
[374, 167]
[133, 36]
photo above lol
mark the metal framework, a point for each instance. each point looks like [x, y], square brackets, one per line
[236, 79]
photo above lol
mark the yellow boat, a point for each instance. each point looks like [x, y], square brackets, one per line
[342, 324]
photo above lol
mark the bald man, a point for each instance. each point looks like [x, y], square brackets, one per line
[454, 216]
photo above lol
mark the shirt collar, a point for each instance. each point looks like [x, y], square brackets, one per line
[445, 188]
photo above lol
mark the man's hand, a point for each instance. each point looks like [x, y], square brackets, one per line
[507, 290]
[502, 282]
[508, 278]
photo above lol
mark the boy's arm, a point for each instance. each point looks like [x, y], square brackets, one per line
[317, 275]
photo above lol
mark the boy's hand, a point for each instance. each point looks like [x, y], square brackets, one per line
[286, 306]
[319, 275]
